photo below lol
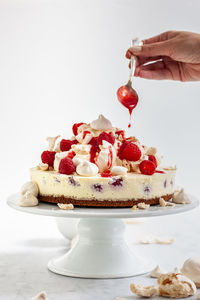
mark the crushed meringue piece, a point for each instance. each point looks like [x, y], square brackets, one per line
[106, 156]
[143, 205]
[65, 206]
[118, 170]
[151, 151]
[43, 167]
[28, 199]
[31, 187]
[155, 273]
[148, 239]
[180, 197]
[86, 168]
[120, 299]
[40, 296]
[174, 285]
[81, 149]
[52, 141]
[151, 238]
[164, 203]
[164, 240]
[132, 139]
[170, 168]
[101, 123]
[134, 207]
[144, 291]
[191, 269]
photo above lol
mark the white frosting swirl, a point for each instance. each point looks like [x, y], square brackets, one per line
[86, 168]
[101, 123]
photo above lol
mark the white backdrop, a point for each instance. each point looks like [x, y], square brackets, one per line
[62, 61]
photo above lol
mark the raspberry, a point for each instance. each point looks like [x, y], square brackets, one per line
[104, 136]
[66, 166]
[94, 141]
[65, 145]
[147, 167]
[153, 159]
[48, 157]
[129, 151]
[106, 174]
[75, 128]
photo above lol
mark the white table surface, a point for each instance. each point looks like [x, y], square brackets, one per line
[29, 241]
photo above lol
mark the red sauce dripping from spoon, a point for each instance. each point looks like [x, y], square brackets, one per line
[128, 97]
[126, 94]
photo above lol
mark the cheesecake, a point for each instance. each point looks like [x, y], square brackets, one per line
[99, 166]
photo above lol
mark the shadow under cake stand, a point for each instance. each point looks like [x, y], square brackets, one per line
[100, 250]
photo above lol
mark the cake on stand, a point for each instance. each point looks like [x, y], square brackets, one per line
[100, 251]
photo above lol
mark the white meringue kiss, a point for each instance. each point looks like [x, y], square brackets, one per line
[118, 170]
[28, 199]
[86, 168]
[101, 123]
[31, 187]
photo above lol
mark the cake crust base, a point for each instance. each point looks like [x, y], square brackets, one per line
[101, 203]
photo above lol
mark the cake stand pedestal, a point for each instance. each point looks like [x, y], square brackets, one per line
[100, 251]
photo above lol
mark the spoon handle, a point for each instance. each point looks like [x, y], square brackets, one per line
[134, 42]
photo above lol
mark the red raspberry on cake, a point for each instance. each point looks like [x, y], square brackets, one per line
[104, 136]
[75, 127]
[147, 167]
[48, 157]
[153, 159]
[65, 145]
[129, 151]
[66, 166]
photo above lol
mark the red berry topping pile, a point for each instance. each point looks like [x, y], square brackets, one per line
[147, 167]
[65, 145]
[129, 151]
[48, 157]
[66, 166]
[153, 159]
[75, 128]
[104, 136]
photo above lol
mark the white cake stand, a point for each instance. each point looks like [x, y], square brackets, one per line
[100, 251]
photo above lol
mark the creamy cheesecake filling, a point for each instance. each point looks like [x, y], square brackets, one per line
[131, 186]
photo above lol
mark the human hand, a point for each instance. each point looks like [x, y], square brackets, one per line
[171, 55]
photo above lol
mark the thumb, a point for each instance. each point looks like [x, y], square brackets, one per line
[154, 49]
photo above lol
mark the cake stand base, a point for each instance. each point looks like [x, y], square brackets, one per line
[100, 252]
